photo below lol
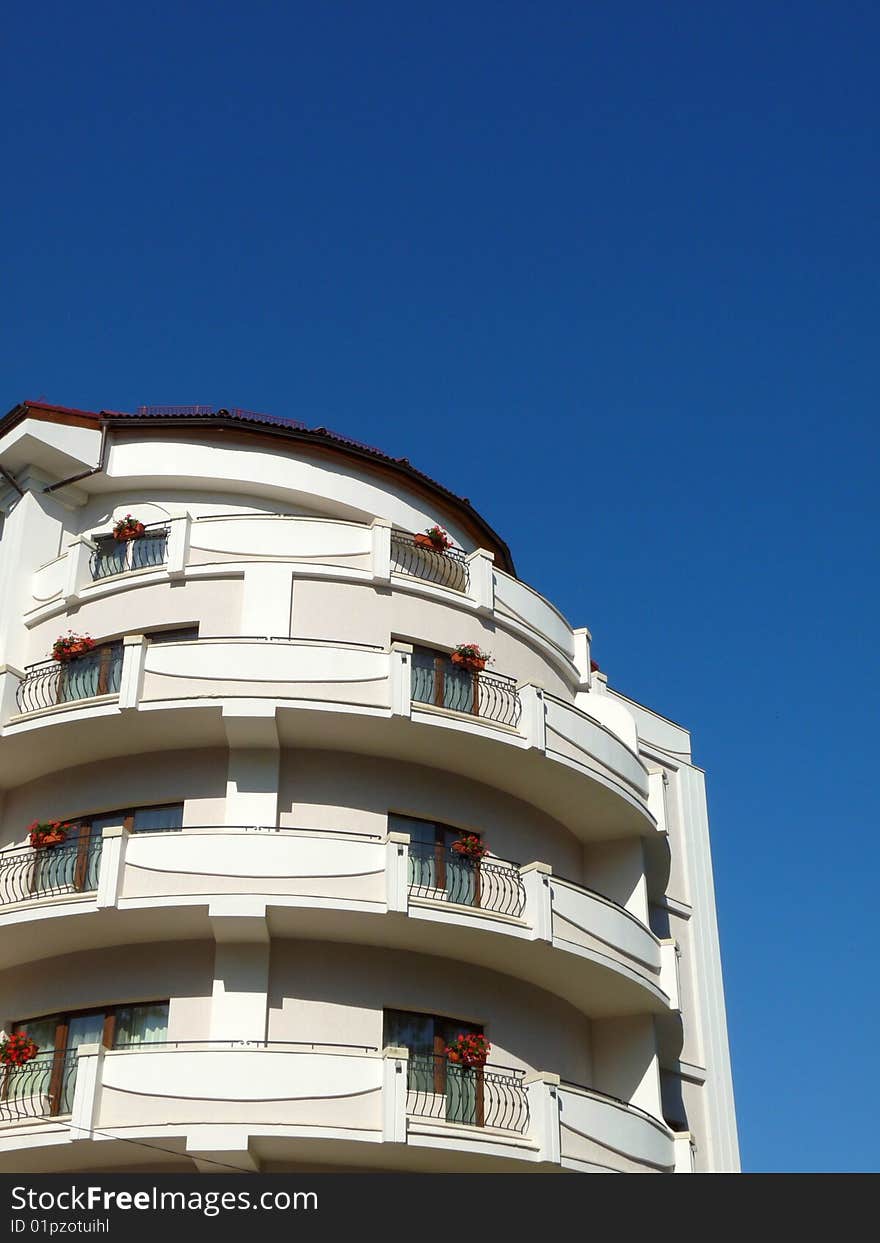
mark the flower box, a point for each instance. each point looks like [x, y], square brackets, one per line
[128, 528]
[17, 1049]
[468, 1050]
[468, 656]
[69, 646]
[435, 539]
[469, 846]
[45, 833]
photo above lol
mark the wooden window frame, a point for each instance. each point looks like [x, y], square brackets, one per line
[439, 1049]
[442, 662]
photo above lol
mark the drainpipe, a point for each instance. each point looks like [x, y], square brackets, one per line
[84, 474]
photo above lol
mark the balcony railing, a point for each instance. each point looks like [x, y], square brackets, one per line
[491, 696]
[479, 1096]
[447, 569]
[42, 1088]
[119, 556]
[27, 874]
[53, 682]
[441, 873]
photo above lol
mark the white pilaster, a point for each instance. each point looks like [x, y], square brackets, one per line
[178, 545]
[532, 722]
[380, 529]
[113, 843]
[394, 1091]
[582, 657]
[481, 569]
[538, 911]
[131, 678]
[397, 871]
[10, 679]
[401, 679]
[542, 1089]
[683, 1147]
[84, 1109]
[669, 978]
[78, 571]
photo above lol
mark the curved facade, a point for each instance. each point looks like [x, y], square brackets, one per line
[263, 933]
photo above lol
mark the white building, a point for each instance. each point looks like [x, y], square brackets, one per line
[257, 944]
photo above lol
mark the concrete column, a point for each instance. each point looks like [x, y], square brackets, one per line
[657, 782]
[253, 766]
[481, 567]
[380, 529]
[539, 910]
[239, 997]
[397, 871]
[542, 1088]
[625, 1061]
[394, 1092]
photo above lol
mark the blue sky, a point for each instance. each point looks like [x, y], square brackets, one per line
[611, 272]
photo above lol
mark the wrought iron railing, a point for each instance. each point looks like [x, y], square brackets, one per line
[27, 873]
[447, 569]
[442, 873]
[54, 682]
[41, 1088]
[491, 696]
[113, 556]
[479, 1096]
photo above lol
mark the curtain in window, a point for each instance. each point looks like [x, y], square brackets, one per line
[143, 1024]
[152, 819]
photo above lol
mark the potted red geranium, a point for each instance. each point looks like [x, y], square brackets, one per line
[45, 833]
[17, 1049]
[468, 1050]
[469, 846]
[469, 656]
[434, 538]
[69, 646]
[128, 528]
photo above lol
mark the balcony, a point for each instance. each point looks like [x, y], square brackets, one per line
[40, 1089]
[487, 696]
[490, 1096]
[295, 1102]
[386, 892]
[327, 695]
[52, 683]
[438, 874]
[29, 875]
[447, 569]
[113, 556]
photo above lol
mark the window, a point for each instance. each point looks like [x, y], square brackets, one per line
[51, 1077]
[435, 869]
[436, 680]
[180, 634]
[441, 1088]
